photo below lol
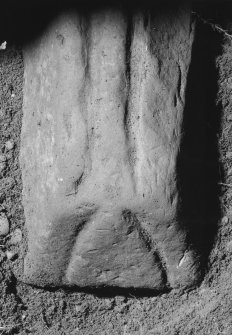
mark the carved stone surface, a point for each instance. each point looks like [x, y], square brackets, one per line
[103, 108]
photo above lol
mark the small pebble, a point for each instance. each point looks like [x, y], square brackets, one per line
[3, 45]
[10, 254]
[229, 246]
[81, 308]
[2, 166]
[229, 117]
[9, 145]
[16, 236]
[225, 220]
[4, 225]
[78, 308]
[229, 172]
[229, 155]
[75, 331]
[2, 158]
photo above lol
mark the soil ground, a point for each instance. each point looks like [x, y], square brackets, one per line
[204, 310]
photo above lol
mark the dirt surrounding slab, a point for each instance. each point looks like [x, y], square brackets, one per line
[205, 310]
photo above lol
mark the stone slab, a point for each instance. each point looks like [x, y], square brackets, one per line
[103, 107]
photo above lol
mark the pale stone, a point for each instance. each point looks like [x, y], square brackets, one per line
[10, 255]
[103, 109]
[229, 246]
[3, 158]
[16, 236]
[9, 145]
[2, 166]
[4, 225]
[225, 220]
[3, 46]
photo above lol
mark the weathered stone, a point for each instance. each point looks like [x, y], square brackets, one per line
[16, 236]
[3, 46]
[103, 108]
[2, 166]
[10, 255]
[3, 158]
[9, 145]
[4, 225]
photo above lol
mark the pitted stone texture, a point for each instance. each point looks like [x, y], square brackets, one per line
[103, 108]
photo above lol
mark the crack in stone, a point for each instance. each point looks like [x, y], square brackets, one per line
[127, 107]
[179, 83]
[129, 33]
[84, 92]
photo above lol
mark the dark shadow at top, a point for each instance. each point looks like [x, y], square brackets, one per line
[24, 21]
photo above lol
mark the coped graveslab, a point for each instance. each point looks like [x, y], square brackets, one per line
[103, 107]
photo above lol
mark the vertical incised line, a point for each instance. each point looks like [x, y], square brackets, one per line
[128, 71]
[85, 91]
[128, 105]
